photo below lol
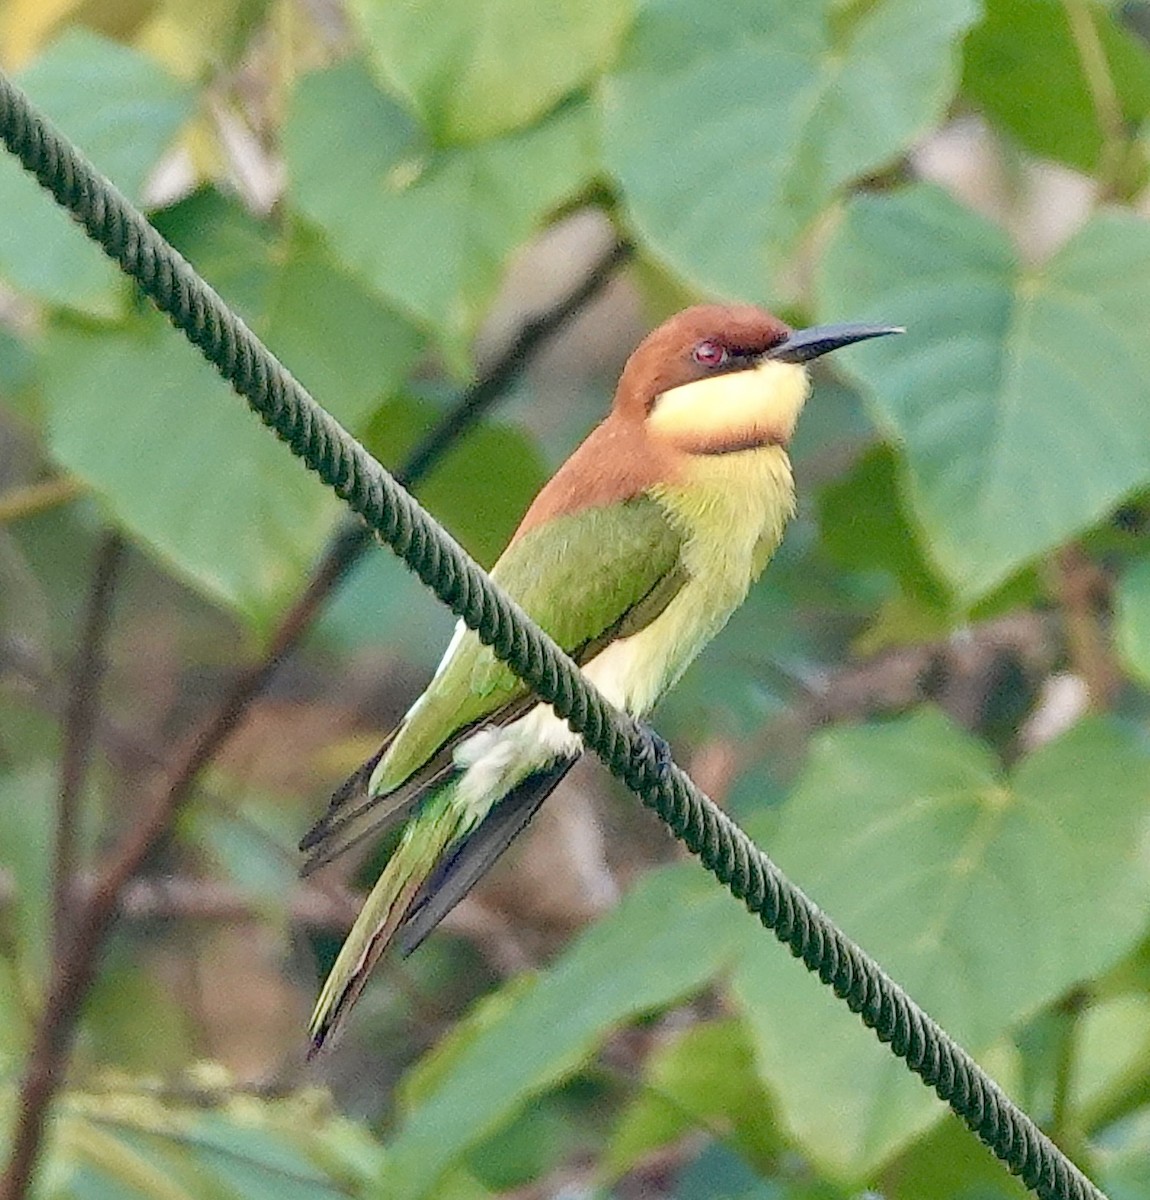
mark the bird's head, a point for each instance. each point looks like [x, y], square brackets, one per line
[715, 379]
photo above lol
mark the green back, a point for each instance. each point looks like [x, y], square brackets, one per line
[582, 578]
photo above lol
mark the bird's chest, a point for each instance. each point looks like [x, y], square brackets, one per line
[732, 509]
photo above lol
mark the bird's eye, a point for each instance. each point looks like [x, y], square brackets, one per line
[710, 354]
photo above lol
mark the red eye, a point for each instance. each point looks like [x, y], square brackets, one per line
[710, 354]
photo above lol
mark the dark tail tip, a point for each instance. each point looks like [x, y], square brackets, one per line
[320, 1041]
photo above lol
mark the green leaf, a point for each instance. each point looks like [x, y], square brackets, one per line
[342, 342]
[55, 550]
[950, 1161]
[474, 71]
[669, 936]
[864, 527]
[1111, 1055]
[460, 1185]
[382, 603]
[1132, 619]
[720, 1174]
[1019, 393]
[254, 1164]
[479, 491]
[127, 997]
[1011, 58]
[1123, 1159]
[430, 230]
[111, 1167]
[729, 127]
[123, 111]
[481, 487]
[178, 460]
[985, 897]
[15, 1026]
[345, 345]
[542, 1140]
[703, 1080]
[15, 365]
[252, 847]
[835, 428]
[226, 508]
[223, 1147]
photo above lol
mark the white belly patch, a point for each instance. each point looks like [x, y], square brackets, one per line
[494, 760]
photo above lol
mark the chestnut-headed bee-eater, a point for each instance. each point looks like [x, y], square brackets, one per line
[632, 558]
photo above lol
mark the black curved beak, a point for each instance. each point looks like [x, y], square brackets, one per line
[805, 344]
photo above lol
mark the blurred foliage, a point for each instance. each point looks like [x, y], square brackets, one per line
[358, 179]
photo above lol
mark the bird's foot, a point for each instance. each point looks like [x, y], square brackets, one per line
[663, 758]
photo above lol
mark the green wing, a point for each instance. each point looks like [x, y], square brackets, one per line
[586, 579]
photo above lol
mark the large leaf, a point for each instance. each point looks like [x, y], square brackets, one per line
[986, 897]
[1123, 1159]
[950, 1162]
[721, 1174]
[178, 459]
[340, 339]
[15, 365]
[730, 126]
[480, 488]
[474, 71]
[703, 1080]
[123, 111]
[123, 1140]
[639, 959]
[1112, 1055]
[1132, 602]
[227, 508]
[1020, 393]
[1012, 56]
[864, 527]
[429, 229]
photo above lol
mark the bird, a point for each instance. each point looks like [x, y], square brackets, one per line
[632, 557]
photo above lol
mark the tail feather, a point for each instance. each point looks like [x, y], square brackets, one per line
[372, 816]
[382, 914]
[354, 786]
[440, 857]
[464, 864]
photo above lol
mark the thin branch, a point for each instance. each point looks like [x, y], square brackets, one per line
[1062, 1123]
[35, 498]
[1077, 583]
[55, 1028]
[80, 719]
[479, 397]
[310, 906]
[1104, 96]
[354, 537]
[23, 667]
[68, 988]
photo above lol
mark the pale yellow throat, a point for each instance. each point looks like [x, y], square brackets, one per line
[733, 411]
